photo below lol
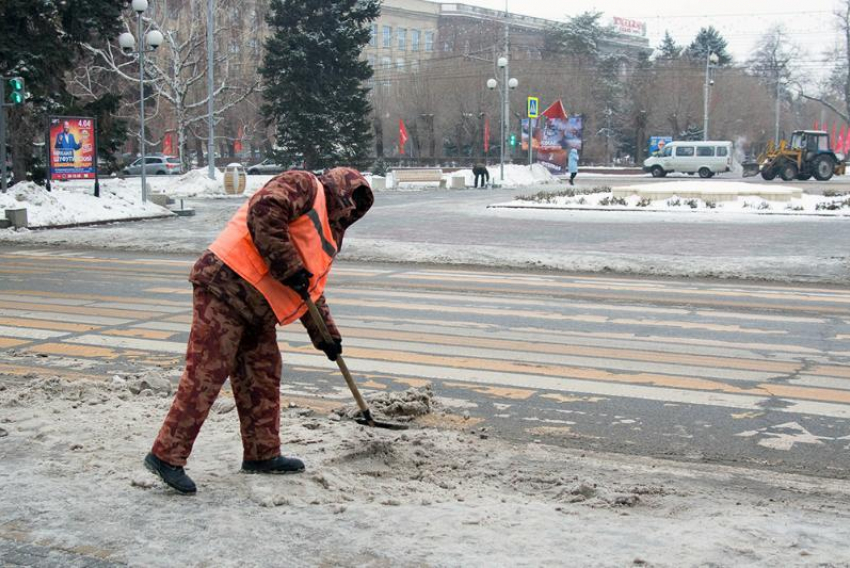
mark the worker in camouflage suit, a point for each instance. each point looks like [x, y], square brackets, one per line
[294, 224]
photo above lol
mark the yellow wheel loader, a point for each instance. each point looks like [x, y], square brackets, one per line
[808, 155]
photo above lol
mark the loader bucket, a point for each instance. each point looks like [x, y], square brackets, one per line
[750, 169]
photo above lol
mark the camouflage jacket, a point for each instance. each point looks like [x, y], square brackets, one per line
[271, 210]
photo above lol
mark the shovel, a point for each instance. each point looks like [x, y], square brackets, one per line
[365, 417]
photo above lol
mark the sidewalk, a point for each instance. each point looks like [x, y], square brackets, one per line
[440, 494]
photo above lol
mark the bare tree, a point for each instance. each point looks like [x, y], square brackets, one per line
[176, 73]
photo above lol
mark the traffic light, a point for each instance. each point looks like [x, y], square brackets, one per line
[513, 140]
[17, 94]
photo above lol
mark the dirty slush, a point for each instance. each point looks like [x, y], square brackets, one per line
[73, 487]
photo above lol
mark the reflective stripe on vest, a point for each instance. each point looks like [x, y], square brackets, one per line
[311, 236]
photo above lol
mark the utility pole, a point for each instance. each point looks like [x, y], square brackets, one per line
[710, 58]
[778, 109]
[507, 98]
[3, 182]
[210, 90]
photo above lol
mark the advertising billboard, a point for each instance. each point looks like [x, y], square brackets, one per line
[553, 139]
[657, 143]
[72, 148]
[629, 27]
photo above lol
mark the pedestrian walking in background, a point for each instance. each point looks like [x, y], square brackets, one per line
[480, 172]
[276, 251]
[573, 165]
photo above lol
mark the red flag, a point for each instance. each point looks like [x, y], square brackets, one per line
[402, 137]
[486, 135]
[816, 126]
[237, 145]
[833, 135]
[846, 147]
[168, 144]
[839, 144]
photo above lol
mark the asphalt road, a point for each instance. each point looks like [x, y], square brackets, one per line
[437, 226]
[733, 373]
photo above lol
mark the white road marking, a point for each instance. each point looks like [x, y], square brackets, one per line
[30, 333]
[67, 318]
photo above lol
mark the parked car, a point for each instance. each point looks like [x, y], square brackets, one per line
[267, 167]
[156, 166]
[705, 158]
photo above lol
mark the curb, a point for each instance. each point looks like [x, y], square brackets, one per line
[688, 211]
[95, 223]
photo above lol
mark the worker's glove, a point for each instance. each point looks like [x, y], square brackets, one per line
[332, 350]
[300, 282]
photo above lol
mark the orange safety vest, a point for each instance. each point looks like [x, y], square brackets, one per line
[310, 234]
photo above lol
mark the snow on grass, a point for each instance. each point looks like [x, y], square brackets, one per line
[682, 198]
[74, 203]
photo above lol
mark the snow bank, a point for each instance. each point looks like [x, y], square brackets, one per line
[515, 176]
[198, 184]
[74, 202]
[73, 481]
[682, 199]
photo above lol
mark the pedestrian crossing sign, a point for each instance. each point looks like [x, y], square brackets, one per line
[533, 107]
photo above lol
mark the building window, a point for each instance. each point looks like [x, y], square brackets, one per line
[373, 36]
[429, 41]
[399, 65]
[402, 38]
[388, 37]
[234, 47]
[386, 62]
[414, 66]
[414, 40]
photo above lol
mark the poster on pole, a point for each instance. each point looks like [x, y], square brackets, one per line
[71, 148]
[552, 140]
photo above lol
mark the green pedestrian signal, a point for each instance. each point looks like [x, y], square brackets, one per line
[513, 140]
[17, 94]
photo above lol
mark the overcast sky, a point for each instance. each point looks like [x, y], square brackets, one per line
[810, 24]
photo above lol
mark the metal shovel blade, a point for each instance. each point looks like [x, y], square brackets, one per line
[365, 418]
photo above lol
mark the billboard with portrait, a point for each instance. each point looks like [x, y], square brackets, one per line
[72, 148]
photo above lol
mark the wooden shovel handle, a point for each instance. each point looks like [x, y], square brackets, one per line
[326, 335]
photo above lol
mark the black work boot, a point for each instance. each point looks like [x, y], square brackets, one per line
[174, 476]
[279, 464]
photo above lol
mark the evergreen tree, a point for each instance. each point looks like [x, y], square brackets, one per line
[709, 40]
[578, 37]
[315, 81]
[669, 49]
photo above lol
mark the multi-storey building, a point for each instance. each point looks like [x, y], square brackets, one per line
[404, 35]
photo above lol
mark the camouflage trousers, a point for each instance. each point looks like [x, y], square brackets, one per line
[222, 345]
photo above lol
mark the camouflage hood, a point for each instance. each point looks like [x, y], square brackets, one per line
[349, 197]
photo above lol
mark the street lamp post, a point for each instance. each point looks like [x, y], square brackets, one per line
[506, 84]
[210, 91]
[711, 61]
[128, 43]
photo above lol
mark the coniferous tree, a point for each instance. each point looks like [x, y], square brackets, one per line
[669, 49]
[709, 40]
[315, 81]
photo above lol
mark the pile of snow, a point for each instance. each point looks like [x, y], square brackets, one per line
[194, 183]
[74, 203]
[197, 183]
[515, 176]
[429, 497]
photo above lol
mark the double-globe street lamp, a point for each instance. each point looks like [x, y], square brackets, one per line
[506, 85]
[128, 45]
